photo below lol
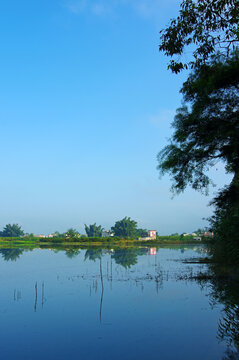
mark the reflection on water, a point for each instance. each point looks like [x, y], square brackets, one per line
[93, 254]
[72, 253]
[111, 303]
[228, 330]
[42, 295]
[226, 291]
[11, 254]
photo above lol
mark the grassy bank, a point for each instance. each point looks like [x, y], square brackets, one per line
[111, 241]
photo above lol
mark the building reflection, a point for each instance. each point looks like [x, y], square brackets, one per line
[153, 251]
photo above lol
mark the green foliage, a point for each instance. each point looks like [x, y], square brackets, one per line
[57, 234]
[206, 127]
[209, 130]
[125, 228]
[94, 230]
[29, 236]
[225, 225]
[203, 135]
[176, 238]
[142, 232]
[71, 233]
[13, 230]
[205, 27]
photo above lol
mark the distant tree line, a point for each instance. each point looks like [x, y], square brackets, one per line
[125, 228]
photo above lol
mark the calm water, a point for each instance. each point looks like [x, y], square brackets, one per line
[107, 304]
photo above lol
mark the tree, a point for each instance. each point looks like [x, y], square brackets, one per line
[205, 132]
[208, 131]
[30, 236]
[57, 234]
[13, 230]
[206, 127]
[125, 228]
[93, 230]
[142, 232]
[205, 27]
[72, 233]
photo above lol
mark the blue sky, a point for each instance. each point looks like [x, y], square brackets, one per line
[86, 104]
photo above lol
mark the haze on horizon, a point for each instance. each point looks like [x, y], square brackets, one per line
[86, 105]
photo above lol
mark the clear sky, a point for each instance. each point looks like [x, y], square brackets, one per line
[86, 104]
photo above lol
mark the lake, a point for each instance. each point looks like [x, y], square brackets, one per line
[136, 303]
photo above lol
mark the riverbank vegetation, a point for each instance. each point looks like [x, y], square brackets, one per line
[124, 231]
[31, 240]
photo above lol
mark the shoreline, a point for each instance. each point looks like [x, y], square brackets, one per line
[32, 243]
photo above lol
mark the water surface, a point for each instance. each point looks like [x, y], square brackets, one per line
[107, 304]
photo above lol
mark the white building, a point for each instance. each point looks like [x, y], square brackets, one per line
[152, 234]
[107, 233]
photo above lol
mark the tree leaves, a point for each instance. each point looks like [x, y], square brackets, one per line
[207, 129]
[206, 27]
[13, 230]
[93, 230]
[125, 228]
